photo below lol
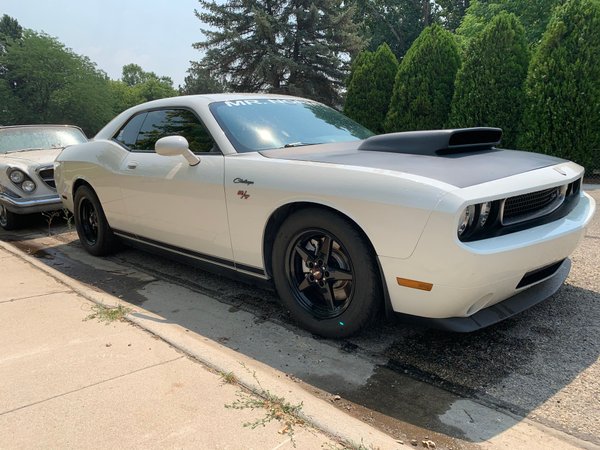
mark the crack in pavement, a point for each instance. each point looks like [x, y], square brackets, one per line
[90, 385]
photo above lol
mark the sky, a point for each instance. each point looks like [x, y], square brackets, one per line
[155, 34]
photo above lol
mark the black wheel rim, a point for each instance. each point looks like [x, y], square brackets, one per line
[3, 216]
[320, 274]
[88, 217]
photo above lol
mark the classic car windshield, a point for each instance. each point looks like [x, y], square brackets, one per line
[35, 138]
[261, 124]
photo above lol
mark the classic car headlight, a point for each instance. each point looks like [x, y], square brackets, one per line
[17, 176]
[28, 186]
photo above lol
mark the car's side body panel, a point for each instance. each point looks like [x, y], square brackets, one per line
[392, 211]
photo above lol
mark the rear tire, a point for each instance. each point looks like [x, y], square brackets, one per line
[8, 220]
[95, 234]
[326, 273]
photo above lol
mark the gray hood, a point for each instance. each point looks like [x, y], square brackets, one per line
[460, 170]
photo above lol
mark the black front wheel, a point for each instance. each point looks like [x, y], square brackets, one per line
[326, 273]
[8, 220]
[92, 227]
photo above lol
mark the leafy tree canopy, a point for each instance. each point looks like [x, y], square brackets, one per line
[533, 14]
[424, 83]
[200, 81]
[47, 83]
[489, 85]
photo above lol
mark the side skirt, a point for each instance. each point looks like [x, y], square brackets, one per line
[218, 266]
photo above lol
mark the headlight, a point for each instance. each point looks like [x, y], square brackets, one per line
[475, 219]
[28, 186]
[16, 176]
[484, 213]
[466, 219]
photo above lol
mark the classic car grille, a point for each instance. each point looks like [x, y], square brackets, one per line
[47, 176]
[530, 206]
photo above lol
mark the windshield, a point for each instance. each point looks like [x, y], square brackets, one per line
[28, 138]
[262, 124]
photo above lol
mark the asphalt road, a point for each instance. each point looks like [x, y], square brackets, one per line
[542, 365]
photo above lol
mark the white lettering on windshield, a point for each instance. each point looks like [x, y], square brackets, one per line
[285, 101]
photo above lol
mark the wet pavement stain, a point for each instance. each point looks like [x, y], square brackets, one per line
[388, 398]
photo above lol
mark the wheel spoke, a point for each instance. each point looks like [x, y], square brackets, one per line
[325, 249]
[303, 253]
[327, 292]
[304, 285]
[339, 275]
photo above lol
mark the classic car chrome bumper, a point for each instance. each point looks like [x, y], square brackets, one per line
[30, 205]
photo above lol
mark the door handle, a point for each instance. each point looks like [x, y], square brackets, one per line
[132, 165]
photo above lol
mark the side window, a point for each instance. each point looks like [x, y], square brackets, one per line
[128, 134]
[169, 122]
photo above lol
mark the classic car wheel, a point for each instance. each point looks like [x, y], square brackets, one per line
[93, 229]
[8, 220]
[326, 274]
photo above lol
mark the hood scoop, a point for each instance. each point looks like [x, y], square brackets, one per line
[435, 142]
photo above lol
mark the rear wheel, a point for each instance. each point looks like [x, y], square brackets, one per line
[8, 220]
[92, 227]
[326, 274]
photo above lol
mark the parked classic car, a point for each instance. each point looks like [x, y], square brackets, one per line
[27, 154]
[438, 224]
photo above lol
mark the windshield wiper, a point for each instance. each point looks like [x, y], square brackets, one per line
[300, 144]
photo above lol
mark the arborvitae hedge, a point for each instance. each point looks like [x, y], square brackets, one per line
[489, 85]
[424, 83]
[562, 116]
[370, 88]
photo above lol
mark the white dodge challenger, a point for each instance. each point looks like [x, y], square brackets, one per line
[441, 225]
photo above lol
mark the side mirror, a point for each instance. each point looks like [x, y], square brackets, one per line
[174, 146]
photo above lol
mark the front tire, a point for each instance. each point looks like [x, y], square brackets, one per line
[95, 234]
[326, 273]
[8, 220]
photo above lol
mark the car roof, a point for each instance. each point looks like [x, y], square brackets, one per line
[41, 125]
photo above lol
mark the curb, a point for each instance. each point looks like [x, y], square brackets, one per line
[251, 374]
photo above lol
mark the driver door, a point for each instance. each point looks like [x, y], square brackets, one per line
[171, 204]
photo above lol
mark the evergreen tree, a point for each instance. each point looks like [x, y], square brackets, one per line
[562, 116]
[489, 85]
[371, 88]
[424, 83]
[297, 47]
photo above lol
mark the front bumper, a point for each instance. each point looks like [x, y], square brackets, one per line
[31, 205]
[471, 277]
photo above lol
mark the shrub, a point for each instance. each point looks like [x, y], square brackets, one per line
[370, 88]
[424, 83]
[562, 115]
[489, 85]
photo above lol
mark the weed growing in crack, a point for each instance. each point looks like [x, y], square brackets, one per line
[228, 377]
[108, 314]
[276, 408]
[64, 214]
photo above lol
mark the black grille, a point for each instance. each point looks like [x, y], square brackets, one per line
[527, 206]
[47, 176]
